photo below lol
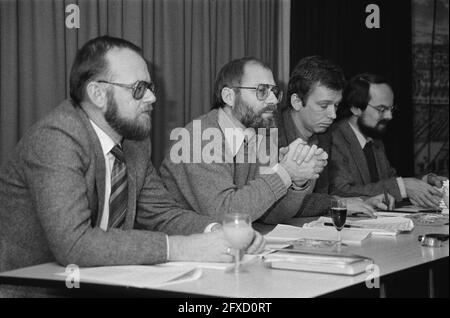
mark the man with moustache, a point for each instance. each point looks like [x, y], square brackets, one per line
[314, 93]
[245, 99]
[80, 187]
[359, 165]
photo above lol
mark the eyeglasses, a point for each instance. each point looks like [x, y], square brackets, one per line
[382, 108]
[263, 91]
[138, 89]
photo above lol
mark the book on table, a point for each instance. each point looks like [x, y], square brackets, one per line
[301, 259]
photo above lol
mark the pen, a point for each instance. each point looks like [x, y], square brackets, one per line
[346, 225]
[386, 199]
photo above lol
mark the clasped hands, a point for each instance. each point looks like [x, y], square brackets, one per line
[302, 161]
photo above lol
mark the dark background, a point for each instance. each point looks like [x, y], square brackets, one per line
[337, 30]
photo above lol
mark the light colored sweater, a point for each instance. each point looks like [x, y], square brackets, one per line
[218, 188]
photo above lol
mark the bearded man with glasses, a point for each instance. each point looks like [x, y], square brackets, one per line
[240, 130]
[80, 187]
[359, 165]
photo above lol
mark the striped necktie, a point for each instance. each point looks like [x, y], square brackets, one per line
[119, 190]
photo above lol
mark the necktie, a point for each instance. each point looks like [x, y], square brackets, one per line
[371, 163]
[119, 190]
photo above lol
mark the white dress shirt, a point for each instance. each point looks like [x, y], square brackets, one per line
[107, 144]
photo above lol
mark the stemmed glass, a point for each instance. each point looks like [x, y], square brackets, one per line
[238, 231]
[338, 213]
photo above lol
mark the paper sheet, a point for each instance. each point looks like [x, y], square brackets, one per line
[246, 259]
[284, 233]
[381, 226]
[138, 276]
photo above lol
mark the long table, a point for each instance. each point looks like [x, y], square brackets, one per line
[394, 256]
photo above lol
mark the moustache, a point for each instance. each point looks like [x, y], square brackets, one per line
[270, 108]
[383, 122]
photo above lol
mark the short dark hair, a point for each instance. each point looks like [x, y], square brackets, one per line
[231, 75]
[309, 72]
[90, 62]
[357, 92]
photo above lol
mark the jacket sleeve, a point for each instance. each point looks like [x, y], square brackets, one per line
[315, 204]
[343, 182]
[287, 207]
[156, 209]
[210, 188]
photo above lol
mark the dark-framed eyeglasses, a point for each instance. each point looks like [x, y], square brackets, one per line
[263, 90]
[138, 89]
[383, 108]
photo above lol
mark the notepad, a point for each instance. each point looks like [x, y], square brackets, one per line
[284, 233]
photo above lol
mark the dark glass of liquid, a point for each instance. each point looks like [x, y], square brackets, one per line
[339, 216]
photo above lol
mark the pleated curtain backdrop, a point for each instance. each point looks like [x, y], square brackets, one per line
[186, 42]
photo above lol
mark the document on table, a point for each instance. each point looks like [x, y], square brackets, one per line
[284, 233]
[390, 226]
[138, 276]
[246, 259]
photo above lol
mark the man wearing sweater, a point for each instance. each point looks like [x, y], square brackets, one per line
[80, 187]
[314, 92]
[239, 175]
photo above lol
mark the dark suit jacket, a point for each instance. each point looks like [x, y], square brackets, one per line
[349, 172]
[52, 193]
[318, 202]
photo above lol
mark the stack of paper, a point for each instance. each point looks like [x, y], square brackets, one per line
[379, 226]
[444, 202]
[323, 263]
[284, 233]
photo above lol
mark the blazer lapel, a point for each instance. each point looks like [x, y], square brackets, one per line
[100, 171]
[130, 161]
[357, 152]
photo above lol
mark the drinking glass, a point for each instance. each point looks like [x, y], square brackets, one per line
[238, 231]
[338, 213]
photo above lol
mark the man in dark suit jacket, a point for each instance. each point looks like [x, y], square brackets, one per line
[359, 165]
[314, 91]
[80, 187]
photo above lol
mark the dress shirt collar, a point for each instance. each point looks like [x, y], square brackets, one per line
[361, 138]
[234, 132]
[105, 141]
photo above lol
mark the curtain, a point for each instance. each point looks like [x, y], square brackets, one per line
[186, 42]
[337, 30]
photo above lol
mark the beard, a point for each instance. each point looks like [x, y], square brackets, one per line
[376, 132]
[251, 119]
[129, 129]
